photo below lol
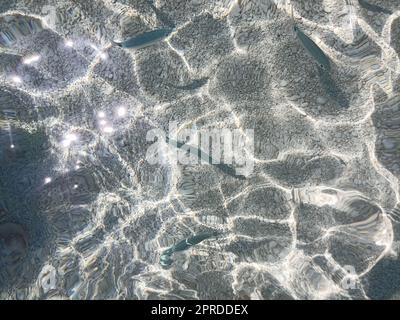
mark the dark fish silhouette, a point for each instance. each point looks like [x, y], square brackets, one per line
[166, 257]
[202, 156]
[373, 8]
[312, 48]
[324, 67]
[145, 39]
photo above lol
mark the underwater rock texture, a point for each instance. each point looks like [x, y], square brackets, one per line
[85, 215]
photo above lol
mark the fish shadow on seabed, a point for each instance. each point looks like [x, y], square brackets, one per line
[324, 65]
[332, 88]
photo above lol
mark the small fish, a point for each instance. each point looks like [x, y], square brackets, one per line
[195, 84]
[373, 8]
[192, 241]
[227, 169]
[208, 159]
[166, 260]
[201, 237]
[311, 47]
[145, 39]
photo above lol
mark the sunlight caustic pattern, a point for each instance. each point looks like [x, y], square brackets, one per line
[83, 215]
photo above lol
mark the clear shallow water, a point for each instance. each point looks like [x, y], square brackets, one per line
[85, 216]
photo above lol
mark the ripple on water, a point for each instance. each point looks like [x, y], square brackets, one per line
[104, 215]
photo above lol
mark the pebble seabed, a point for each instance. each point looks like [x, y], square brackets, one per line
[83, 215]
